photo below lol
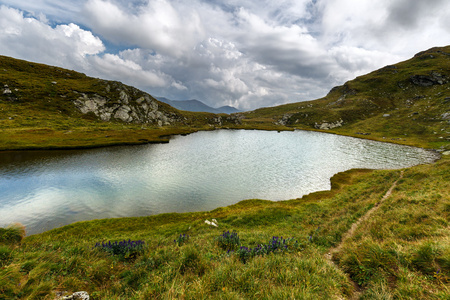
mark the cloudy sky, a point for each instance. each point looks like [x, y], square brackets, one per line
[245, 53]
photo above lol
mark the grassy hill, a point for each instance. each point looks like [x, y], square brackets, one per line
[375, 235]
[407, 102]
[48, 107]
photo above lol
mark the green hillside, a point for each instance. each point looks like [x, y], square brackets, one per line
[407, 102]
[48, 107]
[381, 234]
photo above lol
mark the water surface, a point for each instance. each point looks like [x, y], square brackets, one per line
[198, 172]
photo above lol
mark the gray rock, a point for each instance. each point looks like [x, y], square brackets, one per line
[425, 80]
[329, 125]
[124, 97]
[386, 115]
[142, 109]
[77, 296]
[123, 114]
[446, 116]
[284, 120]
[140, 100]
[7, 91]
[236, 118]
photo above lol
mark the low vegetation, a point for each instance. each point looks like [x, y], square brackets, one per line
[402, 251]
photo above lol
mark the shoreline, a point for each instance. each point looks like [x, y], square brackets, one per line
[165, 138]
[436, 158]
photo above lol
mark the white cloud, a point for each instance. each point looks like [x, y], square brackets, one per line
[245, 53]
[158, 26]
[400, 27]
[114, 67]
[29, 38]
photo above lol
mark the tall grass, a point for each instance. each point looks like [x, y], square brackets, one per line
[12, 234]
[403, 251]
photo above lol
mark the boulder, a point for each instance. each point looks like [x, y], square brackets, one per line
[77, 296]
[7, 91]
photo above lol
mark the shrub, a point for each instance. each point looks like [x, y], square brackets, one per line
[124, 249]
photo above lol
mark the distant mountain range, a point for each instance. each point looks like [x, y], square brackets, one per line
[197, 106]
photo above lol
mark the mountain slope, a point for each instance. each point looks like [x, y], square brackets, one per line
[48, 107]
[189, 105]
[228, 109]
[409, 100]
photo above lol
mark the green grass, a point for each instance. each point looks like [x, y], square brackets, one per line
[404, 249]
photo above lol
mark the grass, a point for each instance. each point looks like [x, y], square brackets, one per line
[404, 250]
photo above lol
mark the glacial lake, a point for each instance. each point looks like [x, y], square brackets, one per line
[198, 172]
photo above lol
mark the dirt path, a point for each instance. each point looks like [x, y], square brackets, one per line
[351, 232]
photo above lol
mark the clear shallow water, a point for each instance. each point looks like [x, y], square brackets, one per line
[201, 171]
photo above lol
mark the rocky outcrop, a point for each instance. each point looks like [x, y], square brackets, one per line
[235, 118]
[428, 80]
[8, 94]
[328, 125]
[126, 107]
[284, 120]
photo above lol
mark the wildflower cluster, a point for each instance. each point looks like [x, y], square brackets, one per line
[275, 245]
[182, 239]
[228, 240]
[123, 249]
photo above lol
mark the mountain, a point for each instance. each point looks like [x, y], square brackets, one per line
[197, 106]
[228, 109]
[45, 107]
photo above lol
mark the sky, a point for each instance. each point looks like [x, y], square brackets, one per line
[246, 53]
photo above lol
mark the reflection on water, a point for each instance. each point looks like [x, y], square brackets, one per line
[202, 171]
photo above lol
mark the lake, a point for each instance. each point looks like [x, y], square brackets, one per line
[198, 172]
